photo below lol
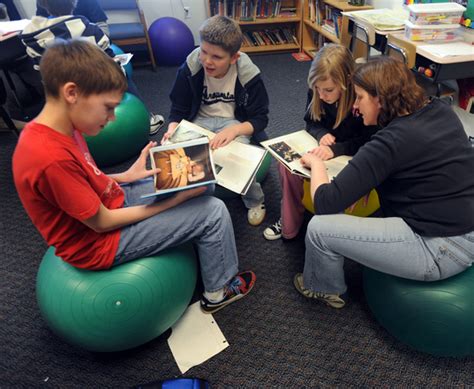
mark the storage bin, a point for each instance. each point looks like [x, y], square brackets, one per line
[431, 32]
[435, 13]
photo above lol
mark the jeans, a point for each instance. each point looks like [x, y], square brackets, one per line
[387, 245]
[254, 195]
[202, 220]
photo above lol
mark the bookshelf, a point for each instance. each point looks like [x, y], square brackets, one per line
[267, 25]
[323, 22]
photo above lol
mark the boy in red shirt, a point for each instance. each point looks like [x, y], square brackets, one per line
[97, 221]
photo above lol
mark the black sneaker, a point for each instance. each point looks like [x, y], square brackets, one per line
[273, 232]
[237, 288]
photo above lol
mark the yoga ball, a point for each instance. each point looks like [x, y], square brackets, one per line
[128, 68]
[361, 209]
[432, 317]
[125, 136]
[120, 308]
[171, 41]
[224, 193]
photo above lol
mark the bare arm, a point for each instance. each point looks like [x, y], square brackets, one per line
[228, 134]
[319, 175]
[111, 219]
[138, 170]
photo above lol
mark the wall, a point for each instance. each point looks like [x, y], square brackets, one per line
[153, 9]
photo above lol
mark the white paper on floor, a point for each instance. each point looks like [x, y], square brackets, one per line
[195, 338]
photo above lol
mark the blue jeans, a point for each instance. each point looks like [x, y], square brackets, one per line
[203, 220]
[388, 245]
[254, 195]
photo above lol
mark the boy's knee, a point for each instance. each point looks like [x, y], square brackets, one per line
[214, 207]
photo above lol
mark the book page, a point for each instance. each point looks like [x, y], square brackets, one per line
[182, 166]
[186, 131]
[289, 149]
[235, 164]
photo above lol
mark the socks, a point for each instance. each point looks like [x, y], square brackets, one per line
[214, 297]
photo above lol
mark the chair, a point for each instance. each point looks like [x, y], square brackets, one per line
[133, 33]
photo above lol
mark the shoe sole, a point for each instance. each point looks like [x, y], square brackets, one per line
[269, 237]
[232, 300]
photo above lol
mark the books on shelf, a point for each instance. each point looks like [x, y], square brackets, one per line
[235, 164]
[269, 37]
[182, 165]
[250, 10]
[288, 150]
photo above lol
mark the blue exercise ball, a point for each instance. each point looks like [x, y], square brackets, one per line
[120, 308]
[171, 41]
[128, 67]
[432, 317]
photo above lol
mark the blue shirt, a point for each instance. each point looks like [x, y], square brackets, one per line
[87, 8]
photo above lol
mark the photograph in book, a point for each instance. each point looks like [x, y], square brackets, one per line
[288, 150]
[235, 164]
[182, 166]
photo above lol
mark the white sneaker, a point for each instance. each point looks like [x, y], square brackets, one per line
[156, 122]
[273, 232]
[256, 215]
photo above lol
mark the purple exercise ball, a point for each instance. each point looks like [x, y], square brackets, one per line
[171, 41]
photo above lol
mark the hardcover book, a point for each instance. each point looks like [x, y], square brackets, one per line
[288, 150]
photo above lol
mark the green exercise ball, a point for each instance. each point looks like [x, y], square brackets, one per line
[128, 67]
[119, 308]
[224, 194]
[125, 136]
[433, 317]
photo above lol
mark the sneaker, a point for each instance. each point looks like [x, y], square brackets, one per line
[273, 232]
[256, 215]
[333, 300]
[156, 122]
[237, 288]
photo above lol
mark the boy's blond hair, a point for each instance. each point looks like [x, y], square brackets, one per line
[223, 32]
[82, 63]
[333, 62]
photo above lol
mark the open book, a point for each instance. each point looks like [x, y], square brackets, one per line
[236, 164]
[288, 149]
[183, 165]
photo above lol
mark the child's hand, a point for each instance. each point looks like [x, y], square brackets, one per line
[327, 140]
[309, 159]
[223, 138]
[323, 152]
[138, 170]
[171, 129]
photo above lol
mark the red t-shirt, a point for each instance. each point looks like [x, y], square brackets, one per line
[59, 185]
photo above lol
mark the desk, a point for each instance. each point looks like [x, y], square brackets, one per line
[444, 68]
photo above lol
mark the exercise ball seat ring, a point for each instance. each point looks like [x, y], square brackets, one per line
[119, 308]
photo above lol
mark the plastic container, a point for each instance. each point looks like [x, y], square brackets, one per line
[431, 32]
[435, 13]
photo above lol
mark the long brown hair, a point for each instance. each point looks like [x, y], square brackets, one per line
[333, 62]
[394, 85]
